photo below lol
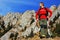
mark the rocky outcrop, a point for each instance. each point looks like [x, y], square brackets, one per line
[25, 24]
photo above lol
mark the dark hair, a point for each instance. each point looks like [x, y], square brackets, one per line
[42, 3]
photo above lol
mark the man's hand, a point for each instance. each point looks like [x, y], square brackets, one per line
[48, 18]
[36, 20]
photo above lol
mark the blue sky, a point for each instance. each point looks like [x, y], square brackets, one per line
[23, 5]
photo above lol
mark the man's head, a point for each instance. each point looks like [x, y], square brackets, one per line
[41, 4]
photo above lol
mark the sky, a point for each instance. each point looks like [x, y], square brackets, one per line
[23, 5]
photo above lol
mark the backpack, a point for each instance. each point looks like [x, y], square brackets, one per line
[43, 14]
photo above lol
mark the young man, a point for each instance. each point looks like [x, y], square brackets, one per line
[42, 16]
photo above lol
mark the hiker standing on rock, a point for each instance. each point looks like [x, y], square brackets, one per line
[42, 16]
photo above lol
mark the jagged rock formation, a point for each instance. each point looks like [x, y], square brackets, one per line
[24, 24]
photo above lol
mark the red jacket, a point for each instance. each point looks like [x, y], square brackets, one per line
[43, 11]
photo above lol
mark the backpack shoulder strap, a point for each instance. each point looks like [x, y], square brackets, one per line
[44, 7]
[46, 11]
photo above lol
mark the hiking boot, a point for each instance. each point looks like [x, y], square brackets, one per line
[42, 36]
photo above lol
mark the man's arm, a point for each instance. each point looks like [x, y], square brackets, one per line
[50, 11]
[37, 13]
